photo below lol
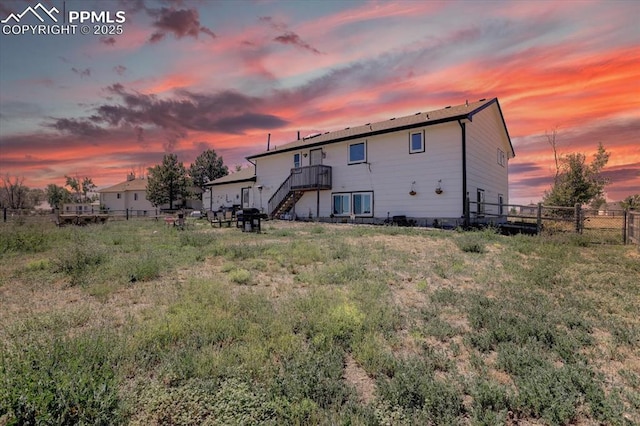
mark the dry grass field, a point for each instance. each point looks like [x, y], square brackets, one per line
[138, 323]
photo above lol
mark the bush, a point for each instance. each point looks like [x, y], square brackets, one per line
[60, 381]
[313, 375]
[415, 388]
[78, 260]
[29, 239]
[491, 402]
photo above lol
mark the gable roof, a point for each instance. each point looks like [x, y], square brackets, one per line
[129, 185]
[245, 175]
[420, 119]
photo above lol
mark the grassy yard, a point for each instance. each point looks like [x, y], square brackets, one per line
[136, 323]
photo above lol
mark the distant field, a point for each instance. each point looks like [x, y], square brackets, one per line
[133, 322]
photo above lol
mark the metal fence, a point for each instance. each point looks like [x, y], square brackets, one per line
[633, 227]
[23, 216]
[610, 227]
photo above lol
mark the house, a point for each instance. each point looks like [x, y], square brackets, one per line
[235, 189]
[447, 166]
[81, 208]
[128, 195]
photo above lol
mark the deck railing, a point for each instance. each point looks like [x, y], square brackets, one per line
[301, 179]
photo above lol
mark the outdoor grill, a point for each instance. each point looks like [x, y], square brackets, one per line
[250, 219]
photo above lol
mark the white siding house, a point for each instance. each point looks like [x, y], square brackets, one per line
[128, 195]
[236, 189]
[423, 167]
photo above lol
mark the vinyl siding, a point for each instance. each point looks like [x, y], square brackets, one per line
[388, 173]
[484, 136]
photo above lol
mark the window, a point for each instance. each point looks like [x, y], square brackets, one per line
[416, 142]
[357, 203]
[296, 160]
[480, 200]
[358, 153]
[501, 157]
[118, 195]
[341, 204]
[362, 203]
[500, 204]
[135, 196]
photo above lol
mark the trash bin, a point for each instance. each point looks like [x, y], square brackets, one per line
[250, 220]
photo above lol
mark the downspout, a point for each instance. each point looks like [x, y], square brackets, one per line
[465, 213]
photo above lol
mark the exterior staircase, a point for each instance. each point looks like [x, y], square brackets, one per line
[300, 180]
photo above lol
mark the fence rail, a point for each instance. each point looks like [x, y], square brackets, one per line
[20, 216]
[611, 227]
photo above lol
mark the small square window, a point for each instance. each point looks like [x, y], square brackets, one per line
[416, 142]
[358, 153]
[501, 157]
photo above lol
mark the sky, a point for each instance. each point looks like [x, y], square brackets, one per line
[159, 76]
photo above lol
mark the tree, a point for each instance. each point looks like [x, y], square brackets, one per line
[167, 182]
[57, 195]
[35, 196]
[80, 188]
[14, 193]
[578, 182]
[207, 166]
[74, 184]
[87, 186]
[632, 202]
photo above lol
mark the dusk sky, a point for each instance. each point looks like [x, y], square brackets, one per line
[185, 76]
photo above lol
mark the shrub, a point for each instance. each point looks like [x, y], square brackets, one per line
[240, 276]
[314, 375]
[78, 260]
[491, 402]
[24, 239]
[471, 242]
[415, 388]
[60, 381]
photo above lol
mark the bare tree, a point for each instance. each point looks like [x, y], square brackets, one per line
[553, 142]
[14, 193]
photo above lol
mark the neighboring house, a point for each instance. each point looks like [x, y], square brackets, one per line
[128, 195]
[235, 189]
[81, 208]
[132, 195]
[436, 167]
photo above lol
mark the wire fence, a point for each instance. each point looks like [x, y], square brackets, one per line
[605, 227]
[24, 216]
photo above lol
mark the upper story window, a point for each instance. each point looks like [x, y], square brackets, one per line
[358, 153]
[416, 142]
[296, 160]
[501, 157]
[135, 196]
[118, 195]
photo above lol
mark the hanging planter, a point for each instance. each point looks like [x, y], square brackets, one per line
[439, 187]
[413, 192]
